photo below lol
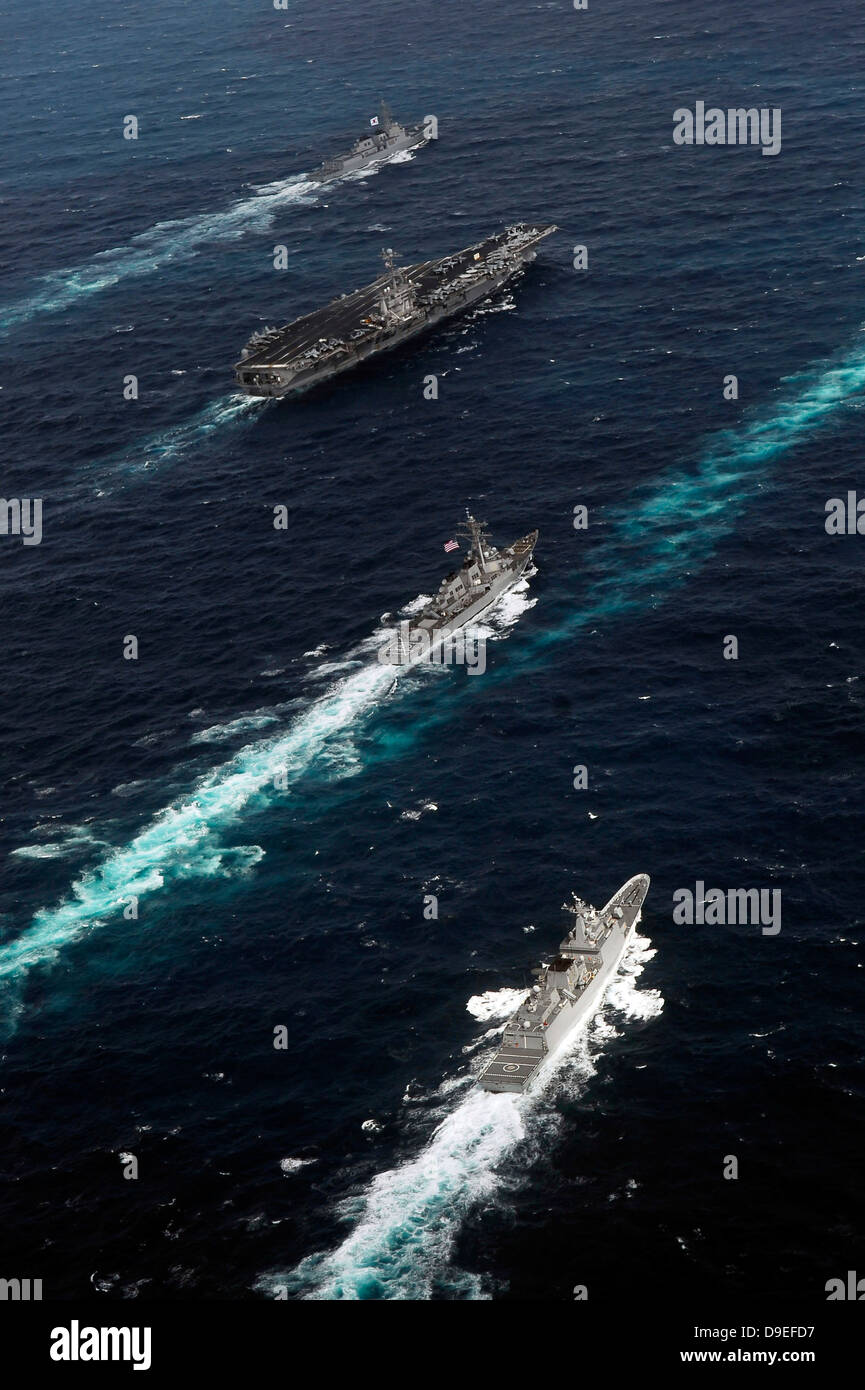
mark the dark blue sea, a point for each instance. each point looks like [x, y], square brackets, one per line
[360, 1161]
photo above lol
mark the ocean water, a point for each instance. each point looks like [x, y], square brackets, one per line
[361, 1162]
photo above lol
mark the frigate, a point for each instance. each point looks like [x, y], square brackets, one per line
[569, 990]
[485, 575]
[386, 138]
[399, 304]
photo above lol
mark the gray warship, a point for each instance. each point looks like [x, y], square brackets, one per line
[568, 990]
[386, 138]
[485, 575]
[394, 308]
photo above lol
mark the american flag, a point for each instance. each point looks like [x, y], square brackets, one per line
[452, 545]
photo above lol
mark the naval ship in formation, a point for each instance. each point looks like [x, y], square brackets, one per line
[485, 575]
[394, 308]
[386, 138]
[568, 990]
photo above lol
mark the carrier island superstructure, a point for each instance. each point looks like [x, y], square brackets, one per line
[568, 990]
[401, 303]
[485, 575]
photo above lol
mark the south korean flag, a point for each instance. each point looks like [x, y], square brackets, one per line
[373, 120]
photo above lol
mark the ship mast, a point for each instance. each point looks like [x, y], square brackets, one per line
[475, 530]
[579, 932]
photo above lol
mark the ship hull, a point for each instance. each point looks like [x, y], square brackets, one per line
[514, 1068]
[354, 328]
[304, 381]
[468, 615]
[353, 164]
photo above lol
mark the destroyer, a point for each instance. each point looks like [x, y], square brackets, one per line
[569, 989]
[395, 307]
[484, 576]
[386, 138]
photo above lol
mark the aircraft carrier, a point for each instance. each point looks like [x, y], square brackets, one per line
[395, 307]
[485, 575]
[568, 990]
[386, 138]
